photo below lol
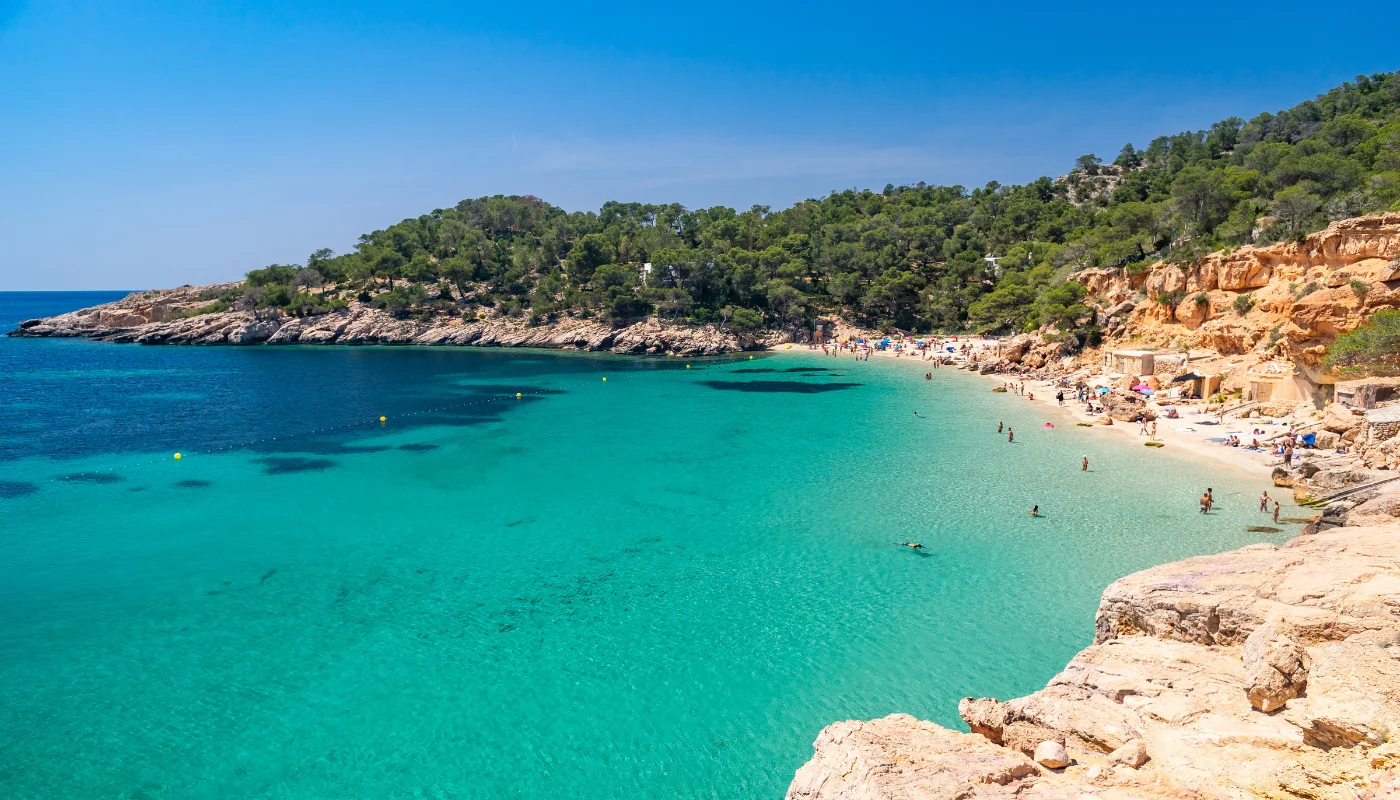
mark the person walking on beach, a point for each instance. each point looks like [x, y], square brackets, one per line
[1152, 437]
[1288, 456]
[1264, 501]
[1085, 466]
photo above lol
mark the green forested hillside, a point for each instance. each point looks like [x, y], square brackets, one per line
[908, 257]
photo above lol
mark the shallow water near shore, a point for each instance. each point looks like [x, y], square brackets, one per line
[659, 585]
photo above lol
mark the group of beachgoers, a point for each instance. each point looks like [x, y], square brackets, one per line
[1265, 501]
[936, 351]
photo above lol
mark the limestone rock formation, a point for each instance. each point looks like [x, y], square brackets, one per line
[161, 318]
[1164, 703]
[900, 756]
[1300, 293]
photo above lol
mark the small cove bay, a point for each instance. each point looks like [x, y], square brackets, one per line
[659, 585]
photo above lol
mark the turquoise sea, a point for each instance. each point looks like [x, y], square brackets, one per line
[659, 585]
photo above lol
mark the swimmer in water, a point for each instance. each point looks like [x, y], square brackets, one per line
[1035, 511]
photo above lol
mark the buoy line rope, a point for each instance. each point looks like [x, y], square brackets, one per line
[381, 420]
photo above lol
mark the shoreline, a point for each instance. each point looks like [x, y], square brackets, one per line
[1168, 432]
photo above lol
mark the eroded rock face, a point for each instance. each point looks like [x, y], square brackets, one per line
[1300, 292]
[1167, 702]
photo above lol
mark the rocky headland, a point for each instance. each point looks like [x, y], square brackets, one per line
[165, 317]
[1265, 672]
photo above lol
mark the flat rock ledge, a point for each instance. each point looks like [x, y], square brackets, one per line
[1168, 700]
[159, 318]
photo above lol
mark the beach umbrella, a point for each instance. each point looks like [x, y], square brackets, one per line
[1103, 390]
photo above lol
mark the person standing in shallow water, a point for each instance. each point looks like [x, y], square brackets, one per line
[1275, 511]
[1035, 511]
[1010, 435]
[1000, 425]
[1085, 466]
[1205, 503]
[1264, 502]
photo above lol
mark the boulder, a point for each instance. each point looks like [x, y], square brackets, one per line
[1275, 667]
[1379, 510]
[1122, 308]
[1327, 481]
[1125, 405]
[1052, 755]
[1282, 477]
[1328, 440]
[1133, 754]
[1340, 419]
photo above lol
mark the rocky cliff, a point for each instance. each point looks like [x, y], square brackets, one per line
[1266, 672]
[1300, 295]
[164, 317]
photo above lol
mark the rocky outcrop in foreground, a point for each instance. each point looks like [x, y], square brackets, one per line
[163, 318]
[1265, 672]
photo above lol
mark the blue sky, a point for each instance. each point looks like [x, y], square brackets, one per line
[153, 144]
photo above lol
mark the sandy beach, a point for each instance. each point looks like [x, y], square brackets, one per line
[1190, 432]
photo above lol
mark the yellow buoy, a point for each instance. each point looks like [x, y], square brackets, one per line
[381, 419]
[751, 358]
[605, 380]
[687, 366]
[177, 456]
[517, 394]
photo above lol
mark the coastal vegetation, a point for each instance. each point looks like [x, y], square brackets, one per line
[1372, 349]
[915, 258]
